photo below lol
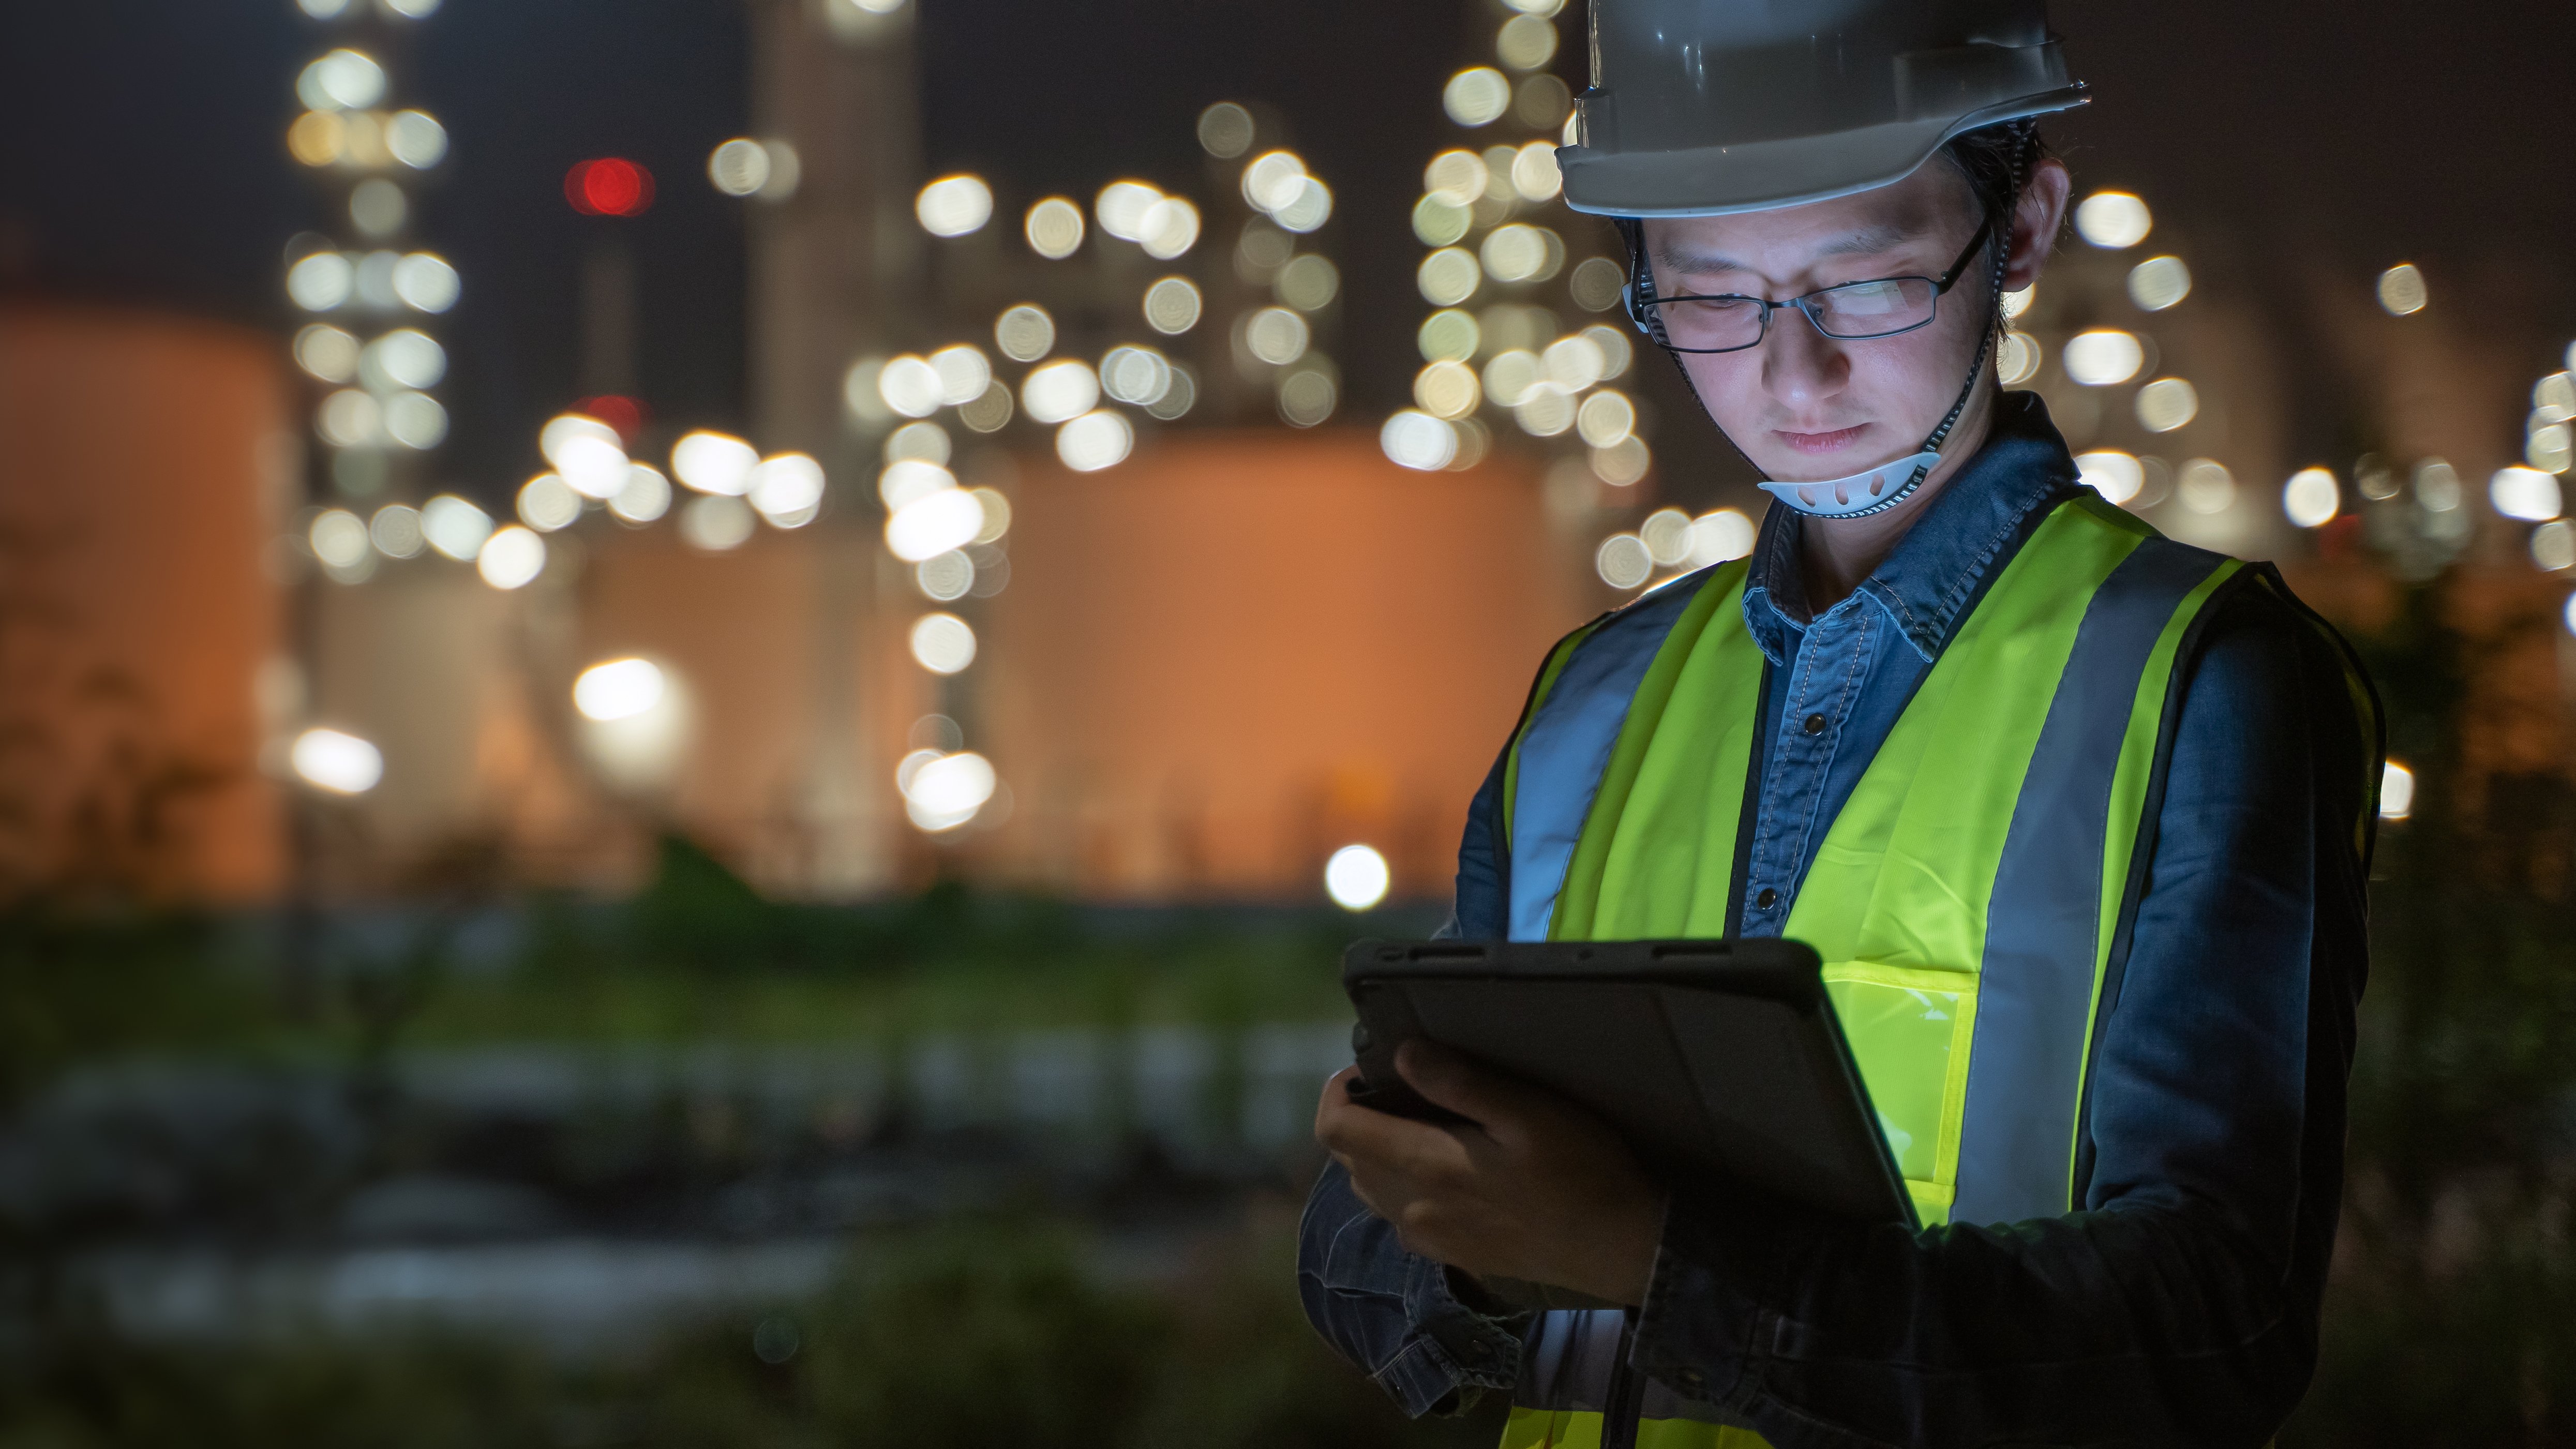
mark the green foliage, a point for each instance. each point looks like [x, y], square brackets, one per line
[76, 987]
[2451, 1318]
[962, 1338]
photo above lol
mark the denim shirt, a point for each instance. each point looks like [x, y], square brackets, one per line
[2179, 1303]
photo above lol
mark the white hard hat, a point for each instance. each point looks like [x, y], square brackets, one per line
[1708, 107]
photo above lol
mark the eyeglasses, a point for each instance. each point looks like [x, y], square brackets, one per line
[1854, 310]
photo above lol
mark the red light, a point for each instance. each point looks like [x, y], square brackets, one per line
[624, 414]
[610, 187]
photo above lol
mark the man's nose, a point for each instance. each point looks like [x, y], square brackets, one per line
[1800, 365]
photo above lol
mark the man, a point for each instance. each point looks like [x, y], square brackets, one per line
[2078, 817]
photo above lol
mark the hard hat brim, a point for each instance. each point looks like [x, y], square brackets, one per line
[1770, 175]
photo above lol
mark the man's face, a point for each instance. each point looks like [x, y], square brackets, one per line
[1805, 407]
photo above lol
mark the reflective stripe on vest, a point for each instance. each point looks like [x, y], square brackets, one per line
[1964, 898]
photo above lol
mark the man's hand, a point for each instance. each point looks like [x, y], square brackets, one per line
[1536, 1189]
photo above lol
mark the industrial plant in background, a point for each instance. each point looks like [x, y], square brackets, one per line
[1054, 551]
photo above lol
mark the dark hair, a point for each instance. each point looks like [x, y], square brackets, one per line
[1996, 162]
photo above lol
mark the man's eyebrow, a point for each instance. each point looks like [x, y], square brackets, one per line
[1866, 242]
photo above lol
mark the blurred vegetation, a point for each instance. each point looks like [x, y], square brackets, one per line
[959, 1338]
[2451, 1318]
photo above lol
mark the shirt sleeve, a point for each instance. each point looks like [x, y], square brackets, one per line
[1394, 1314]
[1484, 864]
[2179, 1305]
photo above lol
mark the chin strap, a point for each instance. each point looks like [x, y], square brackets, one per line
[1873, 490]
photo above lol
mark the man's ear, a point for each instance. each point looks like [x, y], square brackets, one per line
[2036, 220]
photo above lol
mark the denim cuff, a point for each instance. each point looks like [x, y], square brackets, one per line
[1453, 1353]
[1710, 1313]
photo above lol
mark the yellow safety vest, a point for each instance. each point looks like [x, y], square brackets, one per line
[1967, 899]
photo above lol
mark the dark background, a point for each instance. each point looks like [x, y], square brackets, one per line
[142, 156]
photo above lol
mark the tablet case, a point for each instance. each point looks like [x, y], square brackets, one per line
[1714, 1058]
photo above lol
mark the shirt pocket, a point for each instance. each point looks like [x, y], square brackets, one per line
[1910, 1030]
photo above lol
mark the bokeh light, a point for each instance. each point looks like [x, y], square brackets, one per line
[396, 531]
[1605, 419]
[906, 480]
[1525, 42]
[2103, 357]
[1225, 130]
[2311, 498]
[2159, 282]
[618, 689]
[1276, 335]
[942, 643]
[1476, 96]
[1720, 535]
[2117, 476]
[1623, 462]
[1418, 440]
[911, 386]
[644, 497]
[1172, 306]
[609, 186]
[954, 206]
[546, 503]
[345, 80]
[339, 538]
[2166, 404]
[1448, 276]
[2396, 791]
[1667, 536]
[786, 489]
[1308, 393]
[320, 282]
[2524, 493]
[962, 371]
[416, 139]
[1094, 441]
[1449, 335]
[1308, 283]
[1356, 877]
[1025, 333]
[946, 791]
[425, 282]
[2401, 289]
[2113, 220]
[1135, 375]
[511, 558]
[1059, 390]
[1623, 561]
[933, 523]
[454, 526]
[1447, 389]
[336, 761]
[1054, 228]
[712, 462]
[327, 353]
[2017, 360]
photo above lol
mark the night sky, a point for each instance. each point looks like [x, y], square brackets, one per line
[141, 154]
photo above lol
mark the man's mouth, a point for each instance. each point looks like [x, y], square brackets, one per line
[1819, 443]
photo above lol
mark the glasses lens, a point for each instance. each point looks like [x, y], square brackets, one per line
[1874, 309]
[1710, 324]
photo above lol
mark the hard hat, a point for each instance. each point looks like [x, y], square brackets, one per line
[1706, 107]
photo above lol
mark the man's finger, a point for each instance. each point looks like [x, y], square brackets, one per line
[1449, 1079]
[1360, 1134]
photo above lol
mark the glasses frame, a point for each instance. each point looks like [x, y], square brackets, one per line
[1806, 305]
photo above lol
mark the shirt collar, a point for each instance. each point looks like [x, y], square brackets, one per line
[1927, 581]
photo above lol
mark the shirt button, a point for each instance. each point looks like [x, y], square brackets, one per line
[1766, 900]
[1692, 1381]
[1814, 724]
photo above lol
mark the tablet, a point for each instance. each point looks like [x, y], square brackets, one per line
[1713, 1058]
